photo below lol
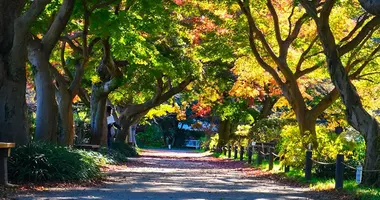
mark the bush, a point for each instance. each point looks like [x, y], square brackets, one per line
[151, 137]
[329, 145]
[37, 162]
[123, 149]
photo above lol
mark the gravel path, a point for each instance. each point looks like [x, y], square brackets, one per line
[178, 174]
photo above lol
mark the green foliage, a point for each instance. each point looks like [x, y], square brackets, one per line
[329, 145]
[266, 130]
[214, 141]
[37, 162]
[120, 150]
[151, 137]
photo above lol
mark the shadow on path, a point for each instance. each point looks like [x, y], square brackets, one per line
[178, 174]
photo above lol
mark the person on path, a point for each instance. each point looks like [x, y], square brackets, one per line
[110, 126]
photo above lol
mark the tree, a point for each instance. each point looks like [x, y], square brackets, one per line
[16, 19]
[357, 116]
[39, 51]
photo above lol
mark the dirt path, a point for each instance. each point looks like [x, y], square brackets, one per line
[174, 174]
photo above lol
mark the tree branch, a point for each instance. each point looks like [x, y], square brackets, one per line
[307, 71]
[259, 59]
[71, 44]
[371, 25]
[303, 55]
[359, 23]
[324, 104]
[51, 37]
[275, 21]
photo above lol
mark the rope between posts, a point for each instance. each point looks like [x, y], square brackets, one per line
[264, 154]
[322, 163]
[349, 166]
[275, 155]
[364, 170]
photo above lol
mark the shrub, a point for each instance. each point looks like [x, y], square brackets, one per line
[214, 141]
[151, 137]
[329, 145]
[37, 162]
[123, 149]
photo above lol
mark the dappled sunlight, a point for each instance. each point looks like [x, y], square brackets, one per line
[164, 174]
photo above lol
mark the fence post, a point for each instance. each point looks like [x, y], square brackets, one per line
[339, 170]
[225, 151]
[229, 151]
[259, 158]
[287, 168]
[309, 164]
[241, 153]
[235, 152]
[249, 154]
[270, 158]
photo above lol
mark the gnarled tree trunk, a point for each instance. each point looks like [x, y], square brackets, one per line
[47, 109]
[13, 42]
[98, 117]
[66, 128]
[224, 132]
[357, 116]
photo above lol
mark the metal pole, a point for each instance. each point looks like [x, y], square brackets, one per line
[309, 165]
[339, 170]
[225, 151]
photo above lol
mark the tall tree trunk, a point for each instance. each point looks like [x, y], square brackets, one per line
[224, 132]
[47, 109]
[13, 121]
[66, 126]
[13, 41]
[98, 118]
[356, 115]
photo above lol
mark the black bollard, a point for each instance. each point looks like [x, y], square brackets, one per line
[270, 158]
[229, 151]
[309, 165]
[241, 153]
[249, 155]
[339, 170]
[236, 152]
[225, 151]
